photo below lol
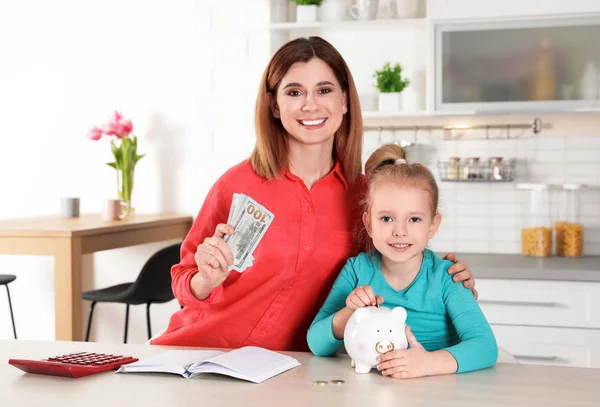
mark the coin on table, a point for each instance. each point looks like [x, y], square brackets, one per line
[338, 382]
[321, 382]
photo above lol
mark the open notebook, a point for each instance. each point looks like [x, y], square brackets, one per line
[247, 363]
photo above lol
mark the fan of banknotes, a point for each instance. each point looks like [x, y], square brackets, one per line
[250, 221]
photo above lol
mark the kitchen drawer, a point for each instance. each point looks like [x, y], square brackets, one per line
[550, 346]
[540, 303]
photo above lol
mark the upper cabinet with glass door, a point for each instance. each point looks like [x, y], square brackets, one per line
[517, 65]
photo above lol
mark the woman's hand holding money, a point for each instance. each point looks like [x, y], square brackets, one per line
[213, 258]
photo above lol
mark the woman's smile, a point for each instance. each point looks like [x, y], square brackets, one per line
[312, 124]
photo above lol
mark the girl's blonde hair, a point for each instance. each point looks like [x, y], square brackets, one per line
[270, 154]
[388, 164]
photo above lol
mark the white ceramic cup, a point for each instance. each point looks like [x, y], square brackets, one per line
[364, 9]
[115, 209]
[403, 8]
[69, 207]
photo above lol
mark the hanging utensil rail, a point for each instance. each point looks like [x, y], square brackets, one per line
[535, 126]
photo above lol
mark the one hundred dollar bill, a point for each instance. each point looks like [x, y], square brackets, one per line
[235, 204]
[250, 221]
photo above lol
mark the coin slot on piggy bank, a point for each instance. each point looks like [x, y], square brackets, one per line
[373, 331]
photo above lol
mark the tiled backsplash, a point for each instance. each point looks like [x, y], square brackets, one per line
[488, 217]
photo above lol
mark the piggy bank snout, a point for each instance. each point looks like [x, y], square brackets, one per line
[382, 347]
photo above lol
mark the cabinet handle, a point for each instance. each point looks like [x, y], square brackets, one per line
[524, 303]
[539, 358]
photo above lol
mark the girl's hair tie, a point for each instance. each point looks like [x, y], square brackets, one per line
[400, 161]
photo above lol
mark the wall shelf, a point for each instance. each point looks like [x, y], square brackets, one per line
[348, 24]
[478, 172]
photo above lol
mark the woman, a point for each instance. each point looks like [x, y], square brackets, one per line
[305, 169]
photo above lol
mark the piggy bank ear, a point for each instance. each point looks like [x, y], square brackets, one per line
[399, 314]
[361, 314]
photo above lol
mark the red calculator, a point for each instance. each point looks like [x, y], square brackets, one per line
[73, 364]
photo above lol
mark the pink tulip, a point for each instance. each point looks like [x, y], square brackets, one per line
[95, 133]
[117, 116]
[126, 127]
[118, 126]
[110, 129]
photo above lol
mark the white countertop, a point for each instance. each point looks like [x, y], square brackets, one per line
[502, 385]
[515, 266]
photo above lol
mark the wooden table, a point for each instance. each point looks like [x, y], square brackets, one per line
[69, 239]
[502, 385]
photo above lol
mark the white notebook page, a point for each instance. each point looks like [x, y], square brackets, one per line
[251, 362]
[172, 358]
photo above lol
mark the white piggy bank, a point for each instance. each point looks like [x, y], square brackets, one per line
[373, 331]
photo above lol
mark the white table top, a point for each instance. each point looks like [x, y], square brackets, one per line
[503, 385]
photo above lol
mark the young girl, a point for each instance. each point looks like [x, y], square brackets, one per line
[446, 330]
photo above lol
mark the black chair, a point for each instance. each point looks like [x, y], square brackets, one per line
[4, 280]
[153, 285]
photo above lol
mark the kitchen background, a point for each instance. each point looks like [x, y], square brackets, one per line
[187, 72]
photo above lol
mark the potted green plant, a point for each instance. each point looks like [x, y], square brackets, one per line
[390, 84]
[306, 10]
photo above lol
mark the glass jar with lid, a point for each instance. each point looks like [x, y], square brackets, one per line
[496, 169]
[536, 234]
[568, 230]
[453, 171]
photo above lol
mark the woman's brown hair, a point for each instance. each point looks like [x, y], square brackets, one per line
[270, 154]
[388, 164]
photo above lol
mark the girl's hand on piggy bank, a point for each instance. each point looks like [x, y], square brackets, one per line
[415, 361]
[363, 296]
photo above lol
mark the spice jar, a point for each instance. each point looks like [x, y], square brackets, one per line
[568, 231]
[470, 170]
[453, 171]
[536, 236]
[496, 170]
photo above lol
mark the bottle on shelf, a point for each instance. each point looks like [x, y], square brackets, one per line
[543, 84]
[453, 168]
[470, 170]
[496, 172]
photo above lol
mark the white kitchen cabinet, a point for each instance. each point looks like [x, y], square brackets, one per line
[471, 9]
[550, 346]
[540, 303]
[549, 64]
[544, 322]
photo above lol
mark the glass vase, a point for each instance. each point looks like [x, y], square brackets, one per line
[125, 185]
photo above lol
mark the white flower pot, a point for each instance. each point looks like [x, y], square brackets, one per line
[390, 102]
[306, 13]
